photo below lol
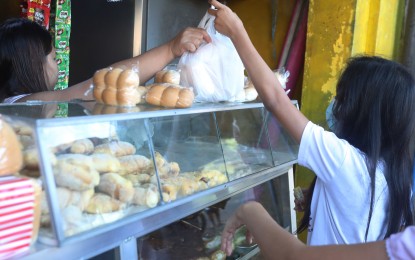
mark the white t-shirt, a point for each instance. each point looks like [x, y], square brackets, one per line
[341, 198]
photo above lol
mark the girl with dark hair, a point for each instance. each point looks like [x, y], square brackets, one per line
[28, 70]
[363, 187]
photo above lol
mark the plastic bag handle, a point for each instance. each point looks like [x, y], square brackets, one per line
[207, 23]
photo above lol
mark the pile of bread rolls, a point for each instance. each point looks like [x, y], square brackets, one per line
[121, 87]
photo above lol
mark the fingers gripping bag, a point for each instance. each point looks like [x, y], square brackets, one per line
[215, 70]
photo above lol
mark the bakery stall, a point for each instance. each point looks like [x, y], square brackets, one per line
[148, 182]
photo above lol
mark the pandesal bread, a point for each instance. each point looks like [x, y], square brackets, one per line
[118, 87]
[11, 158]
[116, 186]
[105, 162]
[116, 148]
[102, 203]
[134, 164]
[82, 146]
[167, 76]
[76, 172]
[186, 98]
[99, 83]
[171, 96]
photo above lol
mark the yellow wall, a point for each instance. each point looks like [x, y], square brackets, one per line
[257, 18]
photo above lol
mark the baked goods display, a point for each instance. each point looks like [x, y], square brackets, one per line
[121, 87]
[99, 180]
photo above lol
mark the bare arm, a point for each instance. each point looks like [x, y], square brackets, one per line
[268, 87]
[277, 243]
[149, 63]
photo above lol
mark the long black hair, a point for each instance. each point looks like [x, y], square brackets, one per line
[375, 112]
[24, 46]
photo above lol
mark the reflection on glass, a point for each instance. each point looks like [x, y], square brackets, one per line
[189, 142]
[198, 235]
[245, 146]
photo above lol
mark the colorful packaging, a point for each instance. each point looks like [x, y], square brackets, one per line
[39, 11]
[20, 213]
[61, 13]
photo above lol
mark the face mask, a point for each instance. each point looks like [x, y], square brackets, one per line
[331, 121]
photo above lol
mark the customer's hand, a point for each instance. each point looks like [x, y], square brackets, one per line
[226, 22]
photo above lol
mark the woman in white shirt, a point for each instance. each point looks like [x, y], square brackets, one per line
[364, 170]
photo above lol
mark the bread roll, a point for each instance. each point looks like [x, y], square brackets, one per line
[11, 159]
[172, 96]
[102, 203]
[138, 179]
[134, 164]
[167, 76]
[99, 83]
[76, 172]
[128, 78]
[186, 98]
[118, 87]
[116, 148]
[116, 186]
[154, 94]
[105, 162]
[146, 196]
[82, 146]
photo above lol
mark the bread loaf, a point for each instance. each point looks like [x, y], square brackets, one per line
[11, 159]
[167, 76]
[76, 172]
[115, 148]
[116, 186]
[118, 87]
[172, 96]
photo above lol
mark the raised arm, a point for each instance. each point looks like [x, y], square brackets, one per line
[149, 63]
[156, 59]
[268, 87]
[277, 243]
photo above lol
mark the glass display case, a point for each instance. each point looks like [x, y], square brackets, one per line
[112, 174]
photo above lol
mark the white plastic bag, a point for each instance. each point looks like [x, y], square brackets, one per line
[215, 70]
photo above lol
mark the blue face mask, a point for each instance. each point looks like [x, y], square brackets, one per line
[331, 121]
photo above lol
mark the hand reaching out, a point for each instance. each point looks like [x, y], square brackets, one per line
[226, 21]
[231, 226]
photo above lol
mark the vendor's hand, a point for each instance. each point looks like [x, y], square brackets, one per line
[188, 40]
[226, 22]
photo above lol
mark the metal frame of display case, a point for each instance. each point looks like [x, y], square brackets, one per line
[122, 234]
